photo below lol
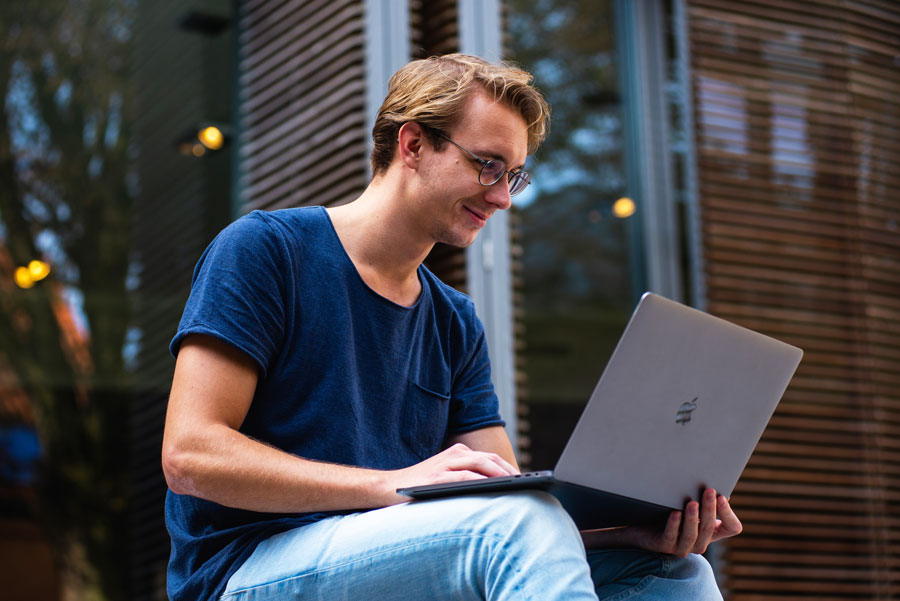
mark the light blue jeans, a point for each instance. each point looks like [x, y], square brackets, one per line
[519, 546]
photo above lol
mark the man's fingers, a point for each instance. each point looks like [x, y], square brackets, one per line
[708, 519]
[730, 524]
[461, 457]
[669, 538]
[489, 464]
[689, 529]
[460, 475]
[504, 464]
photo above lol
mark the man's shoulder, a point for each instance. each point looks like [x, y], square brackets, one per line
[281, 219]
[274, 227]
[449, 298]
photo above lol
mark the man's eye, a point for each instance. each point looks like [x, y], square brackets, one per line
[494, 167]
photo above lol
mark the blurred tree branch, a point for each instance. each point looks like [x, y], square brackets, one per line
[64, 196]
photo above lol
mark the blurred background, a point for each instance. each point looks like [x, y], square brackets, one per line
[741, 156]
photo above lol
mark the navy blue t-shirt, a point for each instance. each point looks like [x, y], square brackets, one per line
[345, 375]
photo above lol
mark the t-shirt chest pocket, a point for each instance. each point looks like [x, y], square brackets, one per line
[425, 414]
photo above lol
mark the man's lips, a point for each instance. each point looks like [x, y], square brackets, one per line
[480, 217]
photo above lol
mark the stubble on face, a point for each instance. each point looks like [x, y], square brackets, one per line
[455, 234]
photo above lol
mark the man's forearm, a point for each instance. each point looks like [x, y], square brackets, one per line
[229, 468]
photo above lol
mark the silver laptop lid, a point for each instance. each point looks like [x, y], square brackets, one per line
[680, 406]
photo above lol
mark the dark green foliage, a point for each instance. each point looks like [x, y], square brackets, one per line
[66, 192]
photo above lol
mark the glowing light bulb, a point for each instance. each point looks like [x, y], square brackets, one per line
[623, 208]
[23, 278]
[38, 270]
[211, 137]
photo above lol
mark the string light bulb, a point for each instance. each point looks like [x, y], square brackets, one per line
[211, 137]
[38, 270]
[624, 208]
[23, 278]
[27, 276]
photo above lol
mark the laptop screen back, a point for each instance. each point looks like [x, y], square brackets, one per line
[681, 405]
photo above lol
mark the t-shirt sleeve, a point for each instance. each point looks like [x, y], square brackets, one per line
[474, 403]
[238, 291]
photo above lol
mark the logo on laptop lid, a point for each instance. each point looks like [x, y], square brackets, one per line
[683, 415]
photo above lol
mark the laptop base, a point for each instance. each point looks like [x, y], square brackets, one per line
[589, 508]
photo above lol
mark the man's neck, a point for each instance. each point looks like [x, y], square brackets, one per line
[382, 242]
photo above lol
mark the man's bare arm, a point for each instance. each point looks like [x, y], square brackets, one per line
[205, 455]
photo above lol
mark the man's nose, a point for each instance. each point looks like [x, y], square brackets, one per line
[497, 194]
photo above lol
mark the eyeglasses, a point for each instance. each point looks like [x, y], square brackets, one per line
[492, 170]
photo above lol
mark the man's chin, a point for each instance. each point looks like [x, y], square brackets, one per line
[459, 241]
[464, 243]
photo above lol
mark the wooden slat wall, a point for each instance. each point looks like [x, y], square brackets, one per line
[797, 111]
[302, 103]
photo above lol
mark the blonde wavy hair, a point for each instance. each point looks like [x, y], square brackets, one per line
[434, 91]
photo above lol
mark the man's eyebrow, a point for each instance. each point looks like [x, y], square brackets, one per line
[515, 168]
[489, 154]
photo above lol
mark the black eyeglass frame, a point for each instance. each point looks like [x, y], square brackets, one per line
[518, 180]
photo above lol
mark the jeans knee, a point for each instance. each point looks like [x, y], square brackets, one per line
[696, 567]
[535, 504]
[532, 513]
[695, 571]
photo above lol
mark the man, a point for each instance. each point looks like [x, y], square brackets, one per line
[320, 367]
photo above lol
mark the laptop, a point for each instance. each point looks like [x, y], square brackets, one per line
[681, 405]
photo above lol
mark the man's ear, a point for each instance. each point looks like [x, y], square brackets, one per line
[410, 139]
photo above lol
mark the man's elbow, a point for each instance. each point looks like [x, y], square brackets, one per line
[178, 469]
